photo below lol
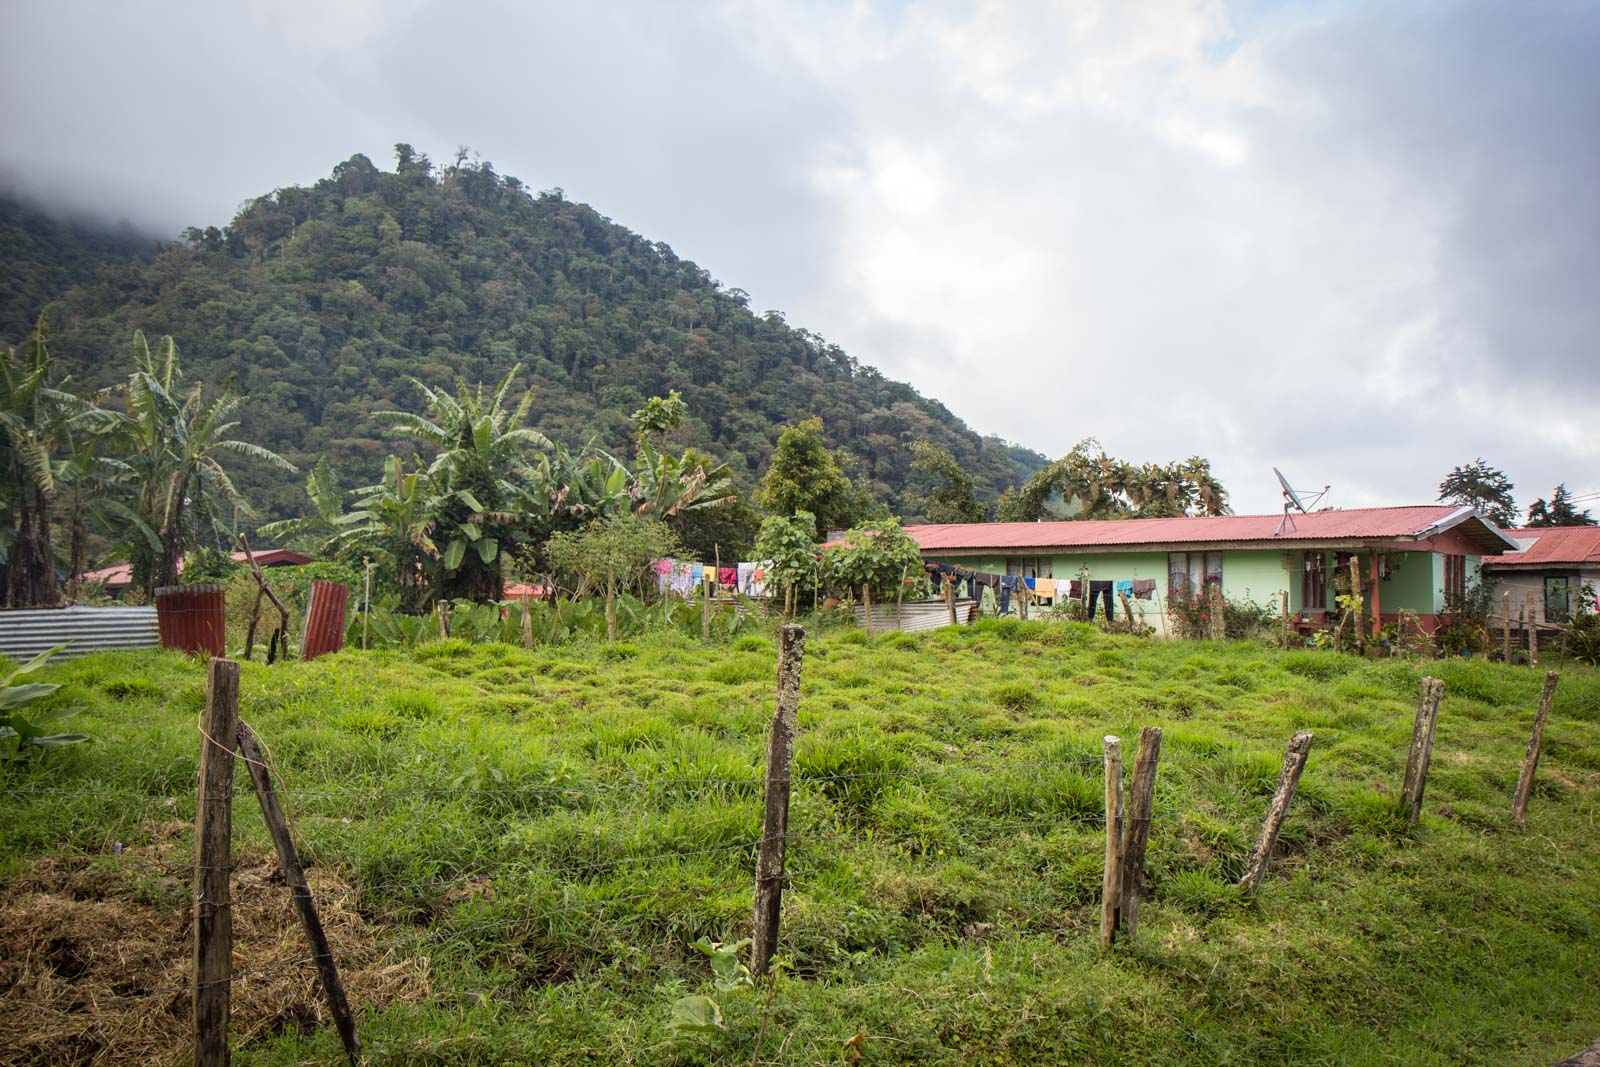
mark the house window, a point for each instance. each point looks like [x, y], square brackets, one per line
[1314, 582]
[1190, 572]
[1455, 579]
[1555, 599]
[1028, 566]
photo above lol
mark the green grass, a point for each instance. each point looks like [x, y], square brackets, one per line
[946, 876]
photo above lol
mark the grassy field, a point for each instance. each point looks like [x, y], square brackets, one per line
[518, 850]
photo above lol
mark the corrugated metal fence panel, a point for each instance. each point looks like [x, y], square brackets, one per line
[915, 615]
[193, 618]
[25, 634]
[324, 619]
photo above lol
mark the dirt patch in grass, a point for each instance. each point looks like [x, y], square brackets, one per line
[95, 959]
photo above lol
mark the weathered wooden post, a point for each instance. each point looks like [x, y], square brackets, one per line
[775, 828]
[705, 604]
[1285, 618]
[1294, 762]
[295, 875]
[213, 833]
[1111, 888]
[366, 600]
[1533, 635]
[442, 611]
[1530, 762]
[1219, 610]
[950, 595]
[900, 596]
[1505, 625]
[1420, 754]
[1356, 623]
[1136, 829]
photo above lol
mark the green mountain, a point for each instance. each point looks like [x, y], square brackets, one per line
[322, 302]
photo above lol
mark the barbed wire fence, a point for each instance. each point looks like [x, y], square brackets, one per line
[1126, 817]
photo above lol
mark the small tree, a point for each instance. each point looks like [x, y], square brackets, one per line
[660, 415]
[610, 552]
[790, 546]
[1478, 485]
[1560, 511]
[876, 557]
[806, 476]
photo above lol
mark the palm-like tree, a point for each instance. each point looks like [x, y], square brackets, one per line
[32, 414]
[178, 440]
[667, 486]
[481, 473]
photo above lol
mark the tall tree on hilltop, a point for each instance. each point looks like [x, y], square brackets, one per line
[1485, 488]
[1560, 511]
[805, 475]
[1093, 485]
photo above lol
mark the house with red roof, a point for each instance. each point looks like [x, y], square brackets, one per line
[1409, 558]
[118, 577]
[1548, 574]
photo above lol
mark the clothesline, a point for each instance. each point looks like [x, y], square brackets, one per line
[682, 577]
[973, 583]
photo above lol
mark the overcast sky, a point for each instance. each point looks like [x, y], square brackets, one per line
[1358, 241]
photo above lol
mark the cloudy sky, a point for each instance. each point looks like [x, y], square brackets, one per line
[1358, 241]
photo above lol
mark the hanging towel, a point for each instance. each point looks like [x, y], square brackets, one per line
[1124, 587]
[728, 576]
[1029, 582]
[1075, 589]
[682, 580]
[664, 575]
[1144, 588]
[1045, 587]
[697, 573]
[758, 578]
[745, 571]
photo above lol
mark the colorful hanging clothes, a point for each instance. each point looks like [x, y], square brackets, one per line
[728, 576]
[1045, 587]
[1124, 587]
[682, 580]
[664, 575]
[1008, 585]
[1144, 588]
[697, 573]
[745, 571]
[1075, 589]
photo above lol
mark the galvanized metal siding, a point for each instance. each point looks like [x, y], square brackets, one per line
[915, 615]
[25, 634]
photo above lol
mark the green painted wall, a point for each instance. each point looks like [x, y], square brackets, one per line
[1416, 583]
[1257, 576]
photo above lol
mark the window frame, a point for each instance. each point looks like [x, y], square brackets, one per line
[1314, 580]
[1565, 612]
[1208, 565]
[1455, 577]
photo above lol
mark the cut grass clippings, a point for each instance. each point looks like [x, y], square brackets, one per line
[525, 845]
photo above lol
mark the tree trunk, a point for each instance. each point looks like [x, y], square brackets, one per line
[611, 605]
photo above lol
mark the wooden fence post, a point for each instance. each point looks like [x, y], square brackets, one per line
[1136, 830]
[950, 596]
[708, 580]
[1111, 889]
[1294, 762]
[775, 828]
[1530, 762]
[1421, 752]
[1533, 635]
[1285, 618]
[213, 832]
[295, 875]
[1505, 625]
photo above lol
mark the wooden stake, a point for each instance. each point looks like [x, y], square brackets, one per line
[1294, 762]
[1285, 619]
[255, 617]
[705, 606]
[213, 833]
[1111, 889]
[442, 610]
[899, 599]
[1136, 831]
[263, 587]
[527, 622]
[294, 874]
[1533, 635]
[1355, 615]
[775, 829]
[950, 596]
[1530, 762]
[1422, 752]
[1418, 724]
[866, 599]
[1505, 625]
[366, 601]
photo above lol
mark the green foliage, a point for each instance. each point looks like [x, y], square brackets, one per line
[789, 544]
[805, 475]
[660, 415]
[1478, 485]
[324, 299]
[32, 733]
[879, 556]
[953, 497]
[610, 554]
[1560, 511]
[1096, 486]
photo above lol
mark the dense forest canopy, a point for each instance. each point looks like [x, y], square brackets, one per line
[322, 303]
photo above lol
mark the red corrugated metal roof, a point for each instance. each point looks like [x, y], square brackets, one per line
[122, 573]
[1571, 545]
[1348, 524]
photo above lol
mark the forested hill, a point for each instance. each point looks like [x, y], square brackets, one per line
[322, 302]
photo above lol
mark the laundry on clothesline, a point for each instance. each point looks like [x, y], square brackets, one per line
[1144, 588]
[1045, 587]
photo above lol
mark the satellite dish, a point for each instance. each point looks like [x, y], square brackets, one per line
[1293, 503]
